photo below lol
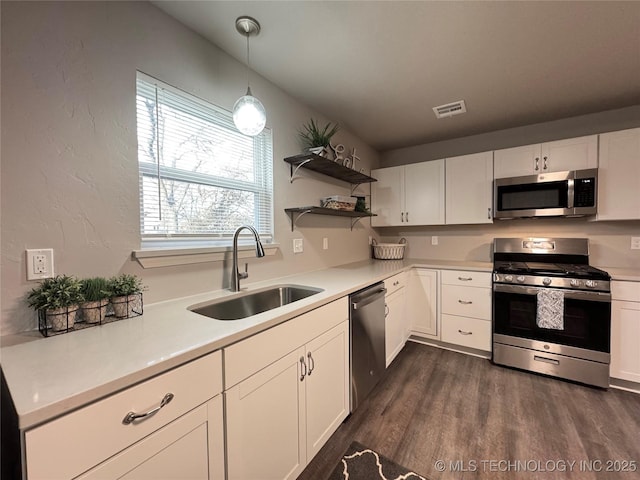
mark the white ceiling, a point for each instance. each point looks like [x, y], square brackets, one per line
[378, 68]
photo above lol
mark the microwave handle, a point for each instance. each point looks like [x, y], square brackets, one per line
[570, 193]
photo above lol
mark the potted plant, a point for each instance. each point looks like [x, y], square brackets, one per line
[126, 295]
[58, 298]
[96, 295]
[316, 139]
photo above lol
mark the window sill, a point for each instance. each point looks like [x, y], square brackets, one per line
[168, 257]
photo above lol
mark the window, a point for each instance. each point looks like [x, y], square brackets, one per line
[200, 178]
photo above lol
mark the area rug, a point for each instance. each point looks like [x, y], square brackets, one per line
[362, 463]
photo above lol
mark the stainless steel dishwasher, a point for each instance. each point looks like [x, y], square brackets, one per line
[366, 312]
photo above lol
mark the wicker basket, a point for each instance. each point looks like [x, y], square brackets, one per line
[389, 251]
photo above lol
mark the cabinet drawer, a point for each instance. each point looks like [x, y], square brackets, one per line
[627, 291]
[72, 444]
[467, 301]
[466, 278]
[251, 355]
[395, 283]
[468, 332]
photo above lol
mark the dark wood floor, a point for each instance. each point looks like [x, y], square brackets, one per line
[440, 405]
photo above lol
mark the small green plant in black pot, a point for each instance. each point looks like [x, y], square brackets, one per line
[59, 298]
[96, 292]
[126, 295]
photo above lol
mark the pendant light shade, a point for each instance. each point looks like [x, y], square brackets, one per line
[249, 114]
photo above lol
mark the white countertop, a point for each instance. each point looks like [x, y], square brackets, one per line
[623, 274]
[48, 377]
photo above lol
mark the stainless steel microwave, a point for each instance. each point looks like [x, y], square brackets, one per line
[555, 194]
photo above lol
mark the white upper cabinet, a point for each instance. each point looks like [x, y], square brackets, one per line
[619, 175]
[409, 195]
[469, 187]
[558, 156]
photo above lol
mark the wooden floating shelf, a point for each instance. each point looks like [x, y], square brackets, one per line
[296, 213]
[327, 167]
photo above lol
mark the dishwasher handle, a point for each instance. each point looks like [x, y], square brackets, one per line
[370, 298]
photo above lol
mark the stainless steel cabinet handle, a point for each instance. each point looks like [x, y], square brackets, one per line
[465, 279]
[312, 363]
[462, 332]
[544, 165]
[537, 164]
[402, 216]
[396, 283]
[465, 302]
[303, 369]
[406, 216]
[546, 360]
[133, 416]
[386, 310]
[489, 213]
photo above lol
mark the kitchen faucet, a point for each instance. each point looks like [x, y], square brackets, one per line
[236, 275]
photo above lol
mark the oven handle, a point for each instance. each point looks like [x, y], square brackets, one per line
[571, 294]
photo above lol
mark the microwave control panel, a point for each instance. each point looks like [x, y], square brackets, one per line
[584, 192]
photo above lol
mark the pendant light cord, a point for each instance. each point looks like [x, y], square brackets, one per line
[248, 66]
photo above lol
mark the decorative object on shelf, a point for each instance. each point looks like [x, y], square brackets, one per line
[353, 159]
[96, 293]
[57, 302]
[389, 251]
[249, 114]
[313, 136]
[339, 202]
[361, 205]
[337, 151]
[126, 299]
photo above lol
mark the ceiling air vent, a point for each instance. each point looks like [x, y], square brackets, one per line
[450, 109]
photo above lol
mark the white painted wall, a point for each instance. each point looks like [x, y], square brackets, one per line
[69, 152]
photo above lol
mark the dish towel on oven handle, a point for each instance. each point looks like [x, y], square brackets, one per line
[550, 312]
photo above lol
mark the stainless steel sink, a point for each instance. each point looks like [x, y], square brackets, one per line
[252, 303]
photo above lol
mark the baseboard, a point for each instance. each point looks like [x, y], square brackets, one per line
[626, 385]
[449, 346]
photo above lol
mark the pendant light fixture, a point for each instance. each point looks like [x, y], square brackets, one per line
[249, 115]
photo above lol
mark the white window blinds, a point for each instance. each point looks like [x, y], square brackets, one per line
[200, 178]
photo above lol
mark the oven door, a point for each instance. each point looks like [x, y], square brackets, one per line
[587, 317]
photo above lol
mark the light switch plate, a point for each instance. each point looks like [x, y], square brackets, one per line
[635, 243]
[434, 240]
[298, 245]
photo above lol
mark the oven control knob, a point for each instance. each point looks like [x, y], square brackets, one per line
[546, 281]
[575, 282]
[508, 278]
[591, 283]
[520, 278]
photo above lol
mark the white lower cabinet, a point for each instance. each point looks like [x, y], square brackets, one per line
[281, 414]
[466, 309]
[182, 439]
[395, 322]
[422, 301]
[625, 331]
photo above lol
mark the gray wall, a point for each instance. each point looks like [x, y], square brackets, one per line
[607, 121]
[69, 177]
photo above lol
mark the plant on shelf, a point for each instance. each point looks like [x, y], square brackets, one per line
[316, 139]
[96, 292]
[58, 298]
[126, 295]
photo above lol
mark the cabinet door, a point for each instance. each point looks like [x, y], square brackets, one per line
[625, 340]
[395, 325]
[190, 447]
[570, 154]
[424, 193]
[517, 161]
[327, 386]
[266, 422]
[469, 192]
[386, 196]
[422, 302]
[619, 175]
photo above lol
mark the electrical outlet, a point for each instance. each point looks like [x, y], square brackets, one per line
[298, 245]
[325, 243]
[370, 240]
[434, 240]
[39, 264]
[635, 243]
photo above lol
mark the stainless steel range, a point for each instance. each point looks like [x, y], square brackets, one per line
[551, 309]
